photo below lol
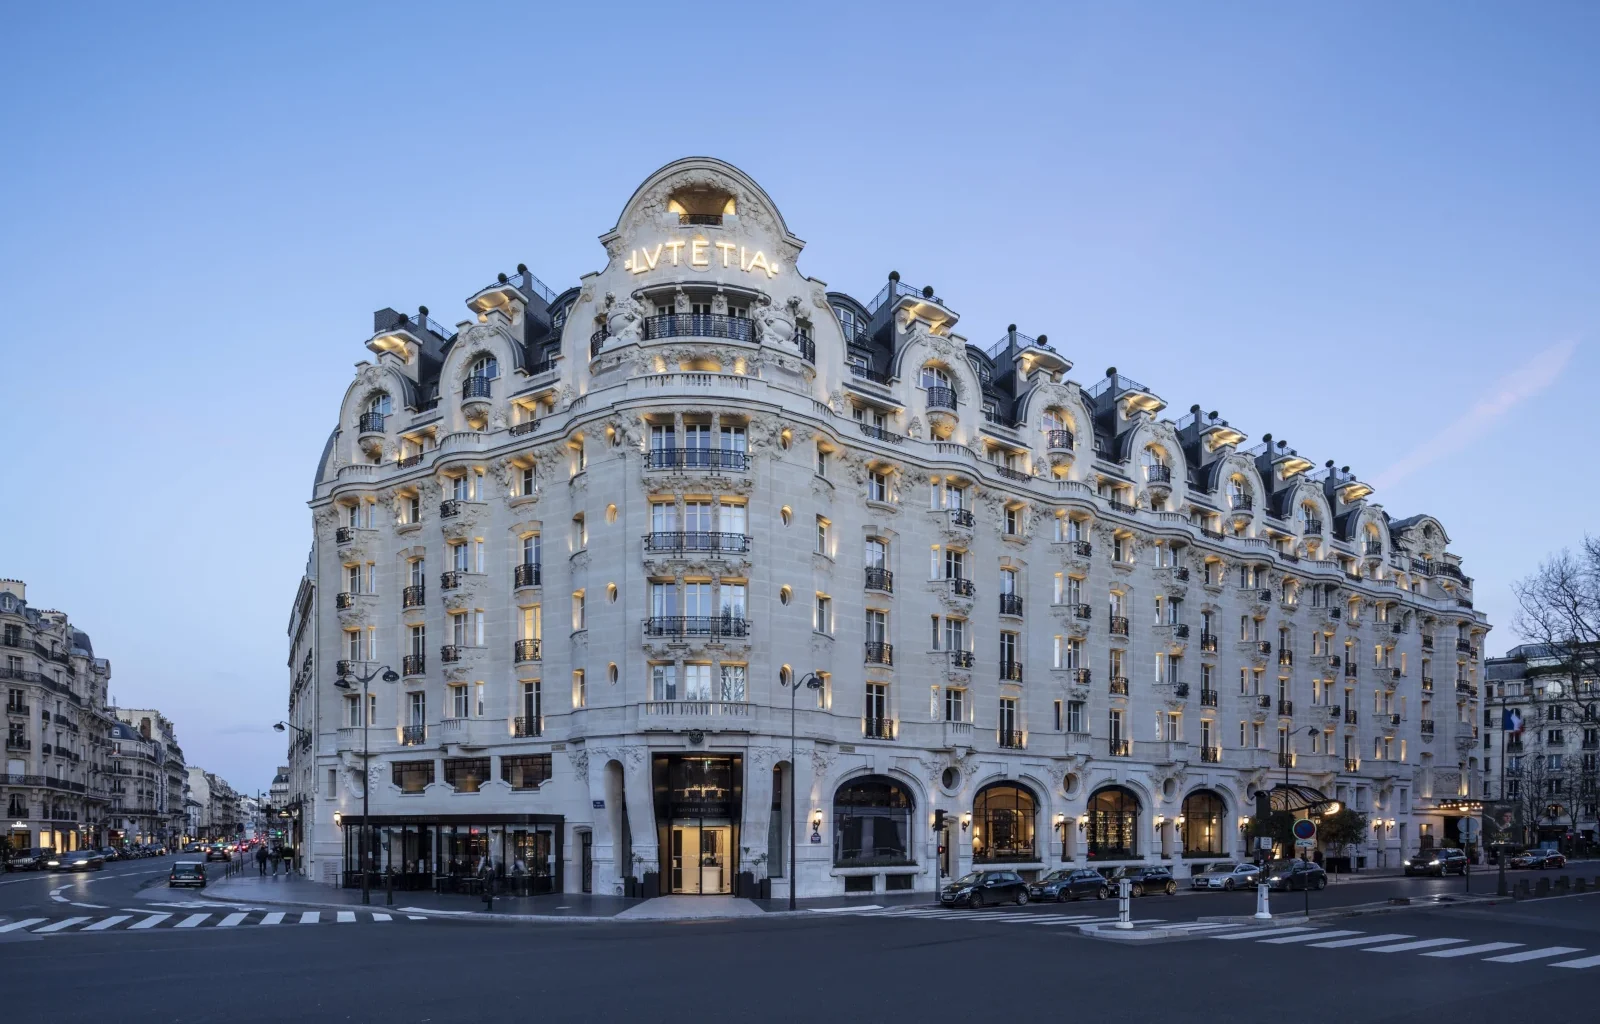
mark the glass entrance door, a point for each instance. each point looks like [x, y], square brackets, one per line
[700, 859]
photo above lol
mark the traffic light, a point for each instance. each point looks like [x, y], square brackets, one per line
[938, 821]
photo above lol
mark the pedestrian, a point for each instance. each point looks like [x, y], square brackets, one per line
[261, 860]
[277, 855]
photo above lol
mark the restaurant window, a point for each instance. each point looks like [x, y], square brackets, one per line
[526, 771]
[466, 774]
[1203, 815]
[1003, 817]
[1113, 824]
[412, 776]
[872, 823]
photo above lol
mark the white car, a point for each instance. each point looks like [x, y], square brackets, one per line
[1226, 876]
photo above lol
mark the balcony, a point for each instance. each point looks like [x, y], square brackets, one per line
[1208, 642]
[344, 535]
[1081, 611]
[695, 709]
[1351, 671]
[449, 508]
[1118, 686]
[370, 423]
[413, 735]
[1243, 503]
[451, 653]
[1080, 548]
[1427, 641]
[413, 664]
[450, 580]
[344, 599]
[699, 325]
[1122, 506]
[1427, 684]
[1394, 675]
[1311, 527]
[344, 667]
[696, 542]
[877, 728]
[523, 727]
[868, 374]
[961, 517]
[698, 458]
[1119, 748]
[1011, 738]
[525, 575]
[880, 579]
[1286, 707]
[1373, 548]
[961, 659]
[1463, 646]
[1119, 625]
[1180, 630]
[1393, 721]
[414, 596]
[1011, 604]
[1180, 573]
[1158, 474]
[1210, 755]
[1208, 698]
[528, 650]
[961, 586]
[1465, 689]
[879, 653]
[18, 709]
[1011, 671]
[1081, 676]
[1059, 440]
[1352, 764]
[941, 398]
[1351, 716]
[20, 743]
[1264, 702]
[1285, 759]
[597, 341]
[712, 626]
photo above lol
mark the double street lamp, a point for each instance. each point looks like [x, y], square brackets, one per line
[811, 681]
[344, 682]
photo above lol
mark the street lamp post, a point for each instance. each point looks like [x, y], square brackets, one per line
[812, 681]
[343, 682]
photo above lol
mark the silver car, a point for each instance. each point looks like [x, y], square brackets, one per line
[1226, 876]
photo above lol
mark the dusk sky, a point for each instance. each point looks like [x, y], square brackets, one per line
[1372, 230]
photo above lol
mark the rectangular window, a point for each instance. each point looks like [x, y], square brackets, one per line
[459, 702]
[955, 704]
[580, 689]
[877, 486]
[412, 776]
[466, 774]
[1013, 521]
[417, 709]
[955, 634]
[1008, 716]
[1174, 727]
[1075, 716]
[822, 461]
[733, 683]
[877, 626]
[697, 681]
[824, 545]
[664, 682]
[822, 616]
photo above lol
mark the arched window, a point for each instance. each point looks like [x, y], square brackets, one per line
[1309, 514]
[1203, 817]
[1003, 815]
[379, 403]
[935, 377]
[1113, 824]
[1239, 492]
[486, 366]
[872, 823]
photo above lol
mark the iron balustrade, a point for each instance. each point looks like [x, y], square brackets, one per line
[697, 541]
[523, 726]
[1120, 748]
[807, 347]
[1286, 657]
[1011, 604]
[961, 586]
[450, 653]
[525, 575]
[880, 579]
[344, 667]
[1082, 611]
[1059, 440]
[414, 459]
[1011, 474]
[880, 434]
[1394, 721]
[1208, 698]
[1285, 759]
[1264, 646]
[18, 709]
[413, 735]
[1122, 506]
[699, 325]
[344, 535]
[1211, 755]
[597, 341]
[1463, 646]
[1373, 547]
[715, 626]
[1427, 641]
[961, 659]
[1311, 527]
[1158, 474]
[1351, 671]
[414, 596]
[1119, 625]
[1082, 676]
[1119, 686]
[1208, 642]
[413, 664]
[370, 423]
[528, 650]
[1011, 671]
[344, 599]
[449, 507]
[1243, 503]
[1427, 683]
[1394, 674]
[1213, 534]
[1010, 738]
[1352, 764]
[961, 517]
[706, 219]
[698, 458]
[1181, 574]
[1180, 630]
[877, 728]
[450, 580]
[477, 387]
[1351, 716]
[867, 373]
[879, 653]
[1264, 702]
[940, 397]
[1082, 548]
[1286, 707]
[525, 427]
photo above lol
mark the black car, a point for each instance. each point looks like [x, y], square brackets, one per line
[985, 888]
[1065, 884]
[1438, 863]
[1142, 878]
[1293, 875]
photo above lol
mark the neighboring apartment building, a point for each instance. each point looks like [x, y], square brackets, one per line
[170, 798]
[1541, 744]
[301, 725]
[55, 790]
[200, 799]
[226, 814]
[139, 813]
[602, 538]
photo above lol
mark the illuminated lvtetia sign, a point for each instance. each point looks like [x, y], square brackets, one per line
[700, 252]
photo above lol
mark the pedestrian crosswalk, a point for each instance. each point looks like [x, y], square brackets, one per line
[1438, 947]
[132, 921]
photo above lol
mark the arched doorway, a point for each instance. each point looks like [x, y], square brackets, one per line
[1204, 817]
[1004, 815]
[872, 823]
[1114, 824]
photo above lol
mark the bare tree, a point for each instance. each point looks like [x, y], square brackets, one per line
[1558, 608]
[1547, 789]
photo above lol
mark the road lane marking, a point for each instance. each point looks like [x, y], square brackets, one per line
[231, 920]
[1588, 961]
[24, 923]
[1308, 938]
[272, 918]
[1486, 947]
[1532, 954]
[1256, 934]
[380, 917]
[59, 925]
[1404, 947]
[415, 917]
[192, 920]
[310, 917]
[346, 917]
[149, 922]
[110, 922]
[1363, 941]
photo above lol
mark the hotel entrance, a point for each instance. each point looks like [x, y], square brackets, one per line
[698, 802]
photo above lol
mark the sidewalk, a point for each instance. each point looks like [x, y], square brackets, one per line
[292, 890]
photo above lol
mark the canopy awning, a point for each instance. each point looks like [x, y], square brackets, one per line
[1285, 797]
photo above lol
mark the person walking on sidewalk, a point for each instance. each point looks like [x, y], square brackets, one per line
[277, 855]
[261, 860]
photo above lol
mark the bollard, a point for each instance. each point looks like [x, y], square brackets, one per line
[1262, 913]
[1580, 885]
[1522, 889]
[1563, 884]
[1124, 901]
[1542, 888]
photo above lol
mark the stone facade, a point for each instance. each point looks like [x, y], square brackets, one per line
[600, 537]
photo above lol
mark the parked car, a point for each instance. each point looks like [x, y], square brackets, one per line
[31, 859]
[1065, 884]
[187, 873]
[1142, 878]
[1541, 859]
[1225, 875]
[217, 851]
[110, 854]
[1438, 863]
[1291, 875]
[985, 888]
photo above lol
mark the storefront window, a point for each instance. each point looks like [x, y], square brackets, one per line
[528, 771]
[1003, 824]
[1203, 813]
[872, 823]
[1113, 824]
[466, 774]
[412, 776]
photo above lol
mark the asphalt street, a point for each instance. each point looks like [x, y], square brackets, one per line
[59, 893]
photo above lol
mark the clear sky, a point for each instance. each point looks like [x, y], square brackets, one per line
[1369, 229]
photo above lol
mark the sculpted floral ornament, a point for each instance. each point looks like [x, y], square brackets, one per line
[624, 318]
[775, 325]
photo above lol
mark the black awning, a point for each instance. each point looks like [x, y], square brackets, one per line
[1285, 797]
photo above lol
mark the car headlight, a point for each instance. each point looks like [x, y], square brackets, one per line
[1433, 863]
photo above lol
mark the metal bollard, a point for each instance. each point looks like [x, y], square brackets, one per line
[1262, 912]
[1124, 904]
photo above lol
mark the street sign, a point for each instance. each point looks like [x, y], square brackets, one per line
[816, 837]
[1305, 830]
[1304, 844]
[1264, 842]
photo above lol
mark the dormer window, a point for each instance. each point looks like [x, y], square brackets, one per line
[847, 321]
[379, 404]
[935, 377]
[486, 367]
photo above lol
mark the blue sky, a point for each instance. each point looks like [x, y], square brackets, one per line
[1369, 229]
